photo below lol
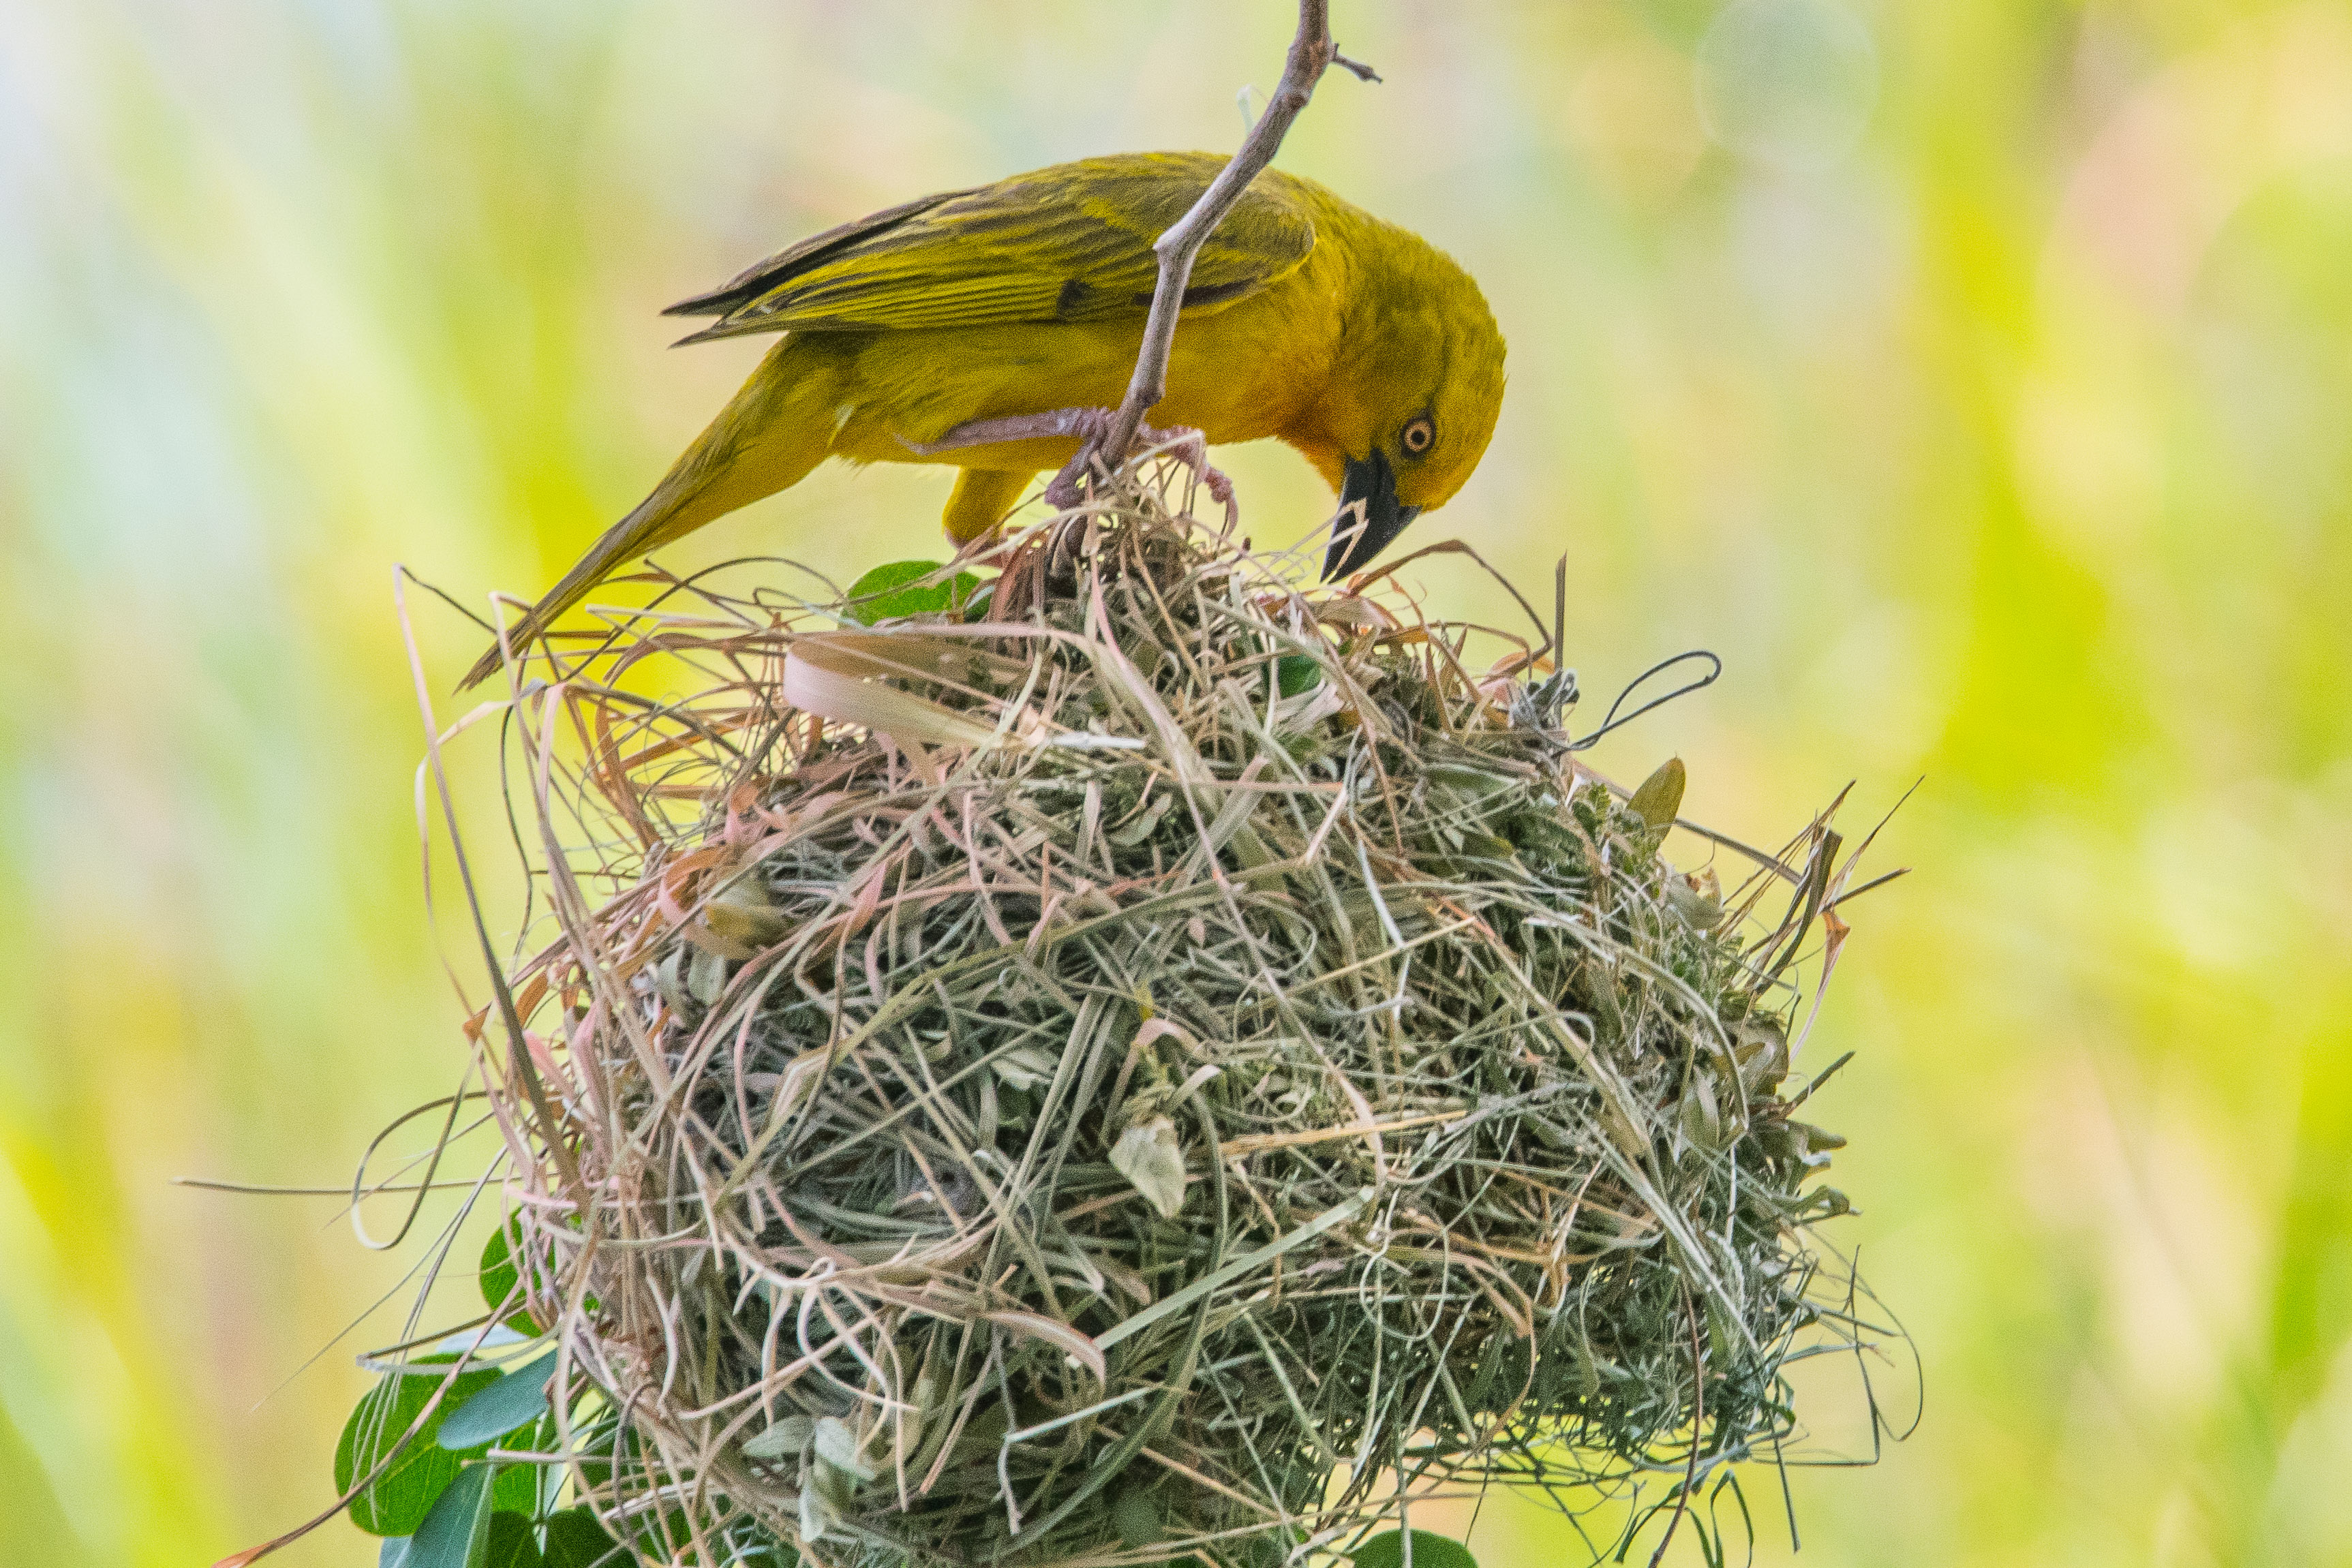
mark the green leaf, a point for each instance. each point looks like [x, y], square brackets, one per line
[1661, 795]
[1428, 1551]
[397, 1503]
[574, 1540]
[1296, 673]
[882, 594]
[500, 1275]
[511, 1544]
[393, 1553]
[514, 1400]
[457, 1532]
[518, 1488]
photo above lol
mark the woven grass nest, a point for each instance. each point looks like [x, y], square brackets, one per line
[1145, 1061]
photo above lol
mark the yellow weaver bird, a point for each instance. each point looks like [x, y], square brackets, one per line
[969, 328]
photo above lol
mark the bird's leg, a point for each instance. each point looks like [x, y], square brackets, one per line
[1089, 426]
[1063, 490]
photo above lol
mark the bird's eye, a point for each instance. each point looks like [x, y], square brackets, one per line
[1420, 435]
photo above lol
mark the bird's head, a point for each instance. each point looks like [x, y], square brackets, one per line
[1417, 384]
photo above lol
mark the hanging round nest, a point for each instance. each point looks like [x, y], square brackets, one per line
[1136, 1060]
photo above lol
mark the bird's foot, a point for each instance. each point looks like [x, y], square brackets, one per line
[1090, 426]
[1190, 447]
[1184, 442]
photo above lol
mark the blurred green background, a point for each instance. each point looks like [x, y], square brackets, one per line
[1977, 379]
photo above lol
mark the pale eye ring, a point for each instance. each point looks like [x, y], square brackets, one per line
[1419, 435]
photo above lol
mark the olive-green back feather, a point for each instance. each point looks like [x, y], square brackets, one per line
[763, 277]
[1072, 243]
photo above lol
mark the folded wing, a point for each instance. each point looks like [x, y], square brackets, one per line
[1071, 242]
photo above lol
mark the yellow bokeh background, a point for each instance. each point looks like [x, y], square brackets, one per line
[1983, 393]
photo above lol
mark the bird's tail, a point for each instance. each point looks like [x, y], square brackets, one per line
[777, 428]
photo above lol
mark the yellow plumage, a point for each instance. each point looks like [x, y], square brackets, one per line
[1306, 319]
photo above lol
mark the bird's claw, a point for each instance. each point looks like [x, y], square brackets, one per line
[1092, 426]
[1188, 445]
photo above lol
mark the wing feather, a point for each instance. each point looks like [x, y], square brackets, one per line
[1071, 242]
[762, 277]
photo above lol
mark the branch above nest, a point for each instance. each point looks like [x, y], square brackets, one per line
[1312, 52]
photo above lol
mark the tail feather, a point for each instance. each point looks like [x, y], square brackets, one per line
[634, 535]
[777, 428]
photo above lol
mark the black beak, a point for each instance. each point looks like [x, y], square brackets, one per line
[1363, 533]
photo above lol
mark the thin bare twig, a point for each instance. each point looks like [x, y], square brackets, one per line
[1311, 53]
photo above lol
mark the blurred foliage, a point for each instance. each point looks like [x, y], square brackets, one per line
[1971, 377]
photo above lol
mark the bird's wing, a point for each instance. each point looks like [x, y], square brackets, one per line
[1071, 242]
